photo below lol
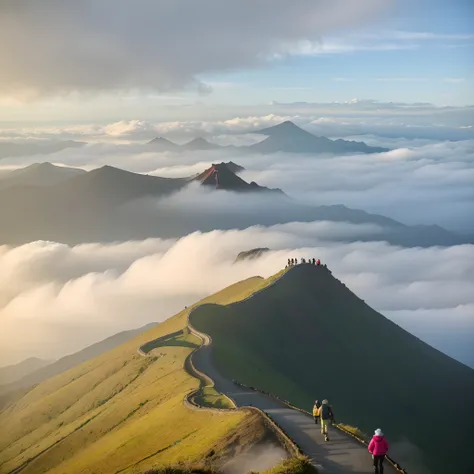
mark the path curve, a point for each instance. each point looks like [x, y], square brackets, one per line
[341, 455]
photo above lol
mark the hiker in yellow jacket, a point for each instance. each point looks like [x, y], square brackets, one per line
[316, 407]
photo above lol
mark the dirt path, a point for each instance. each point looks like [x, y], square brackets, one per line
[342, 454]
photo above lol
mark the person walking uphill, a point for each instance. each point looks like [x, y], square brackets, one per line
[316, 408]
[378, 447]
[326, 416]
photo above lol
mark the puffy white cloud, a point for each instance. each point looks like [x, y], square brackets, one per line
[431, 184]
[56, 299]
[65, 46]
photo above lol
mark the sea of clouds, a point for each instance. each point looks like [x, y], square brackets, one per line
[423, 182]
[63, 298]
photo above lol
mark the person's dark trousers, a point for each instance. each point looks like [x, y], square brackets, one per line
[316, 420]
[378, 464]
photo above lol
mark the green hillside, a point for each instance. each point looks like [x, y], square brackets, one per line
[122, 412]
[307, 336]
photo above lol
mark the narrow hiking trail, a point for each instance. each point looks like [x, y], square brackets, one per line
[341, 455]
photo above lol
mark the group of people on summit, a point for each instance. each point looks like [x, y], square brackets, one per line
[378, 446]
[294, 261]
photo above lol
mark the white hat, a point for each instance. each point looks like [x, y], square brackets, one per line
[378, 432]
[325, 402]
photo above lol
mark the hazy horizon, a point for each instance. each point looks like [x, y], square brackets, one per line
[396, 75]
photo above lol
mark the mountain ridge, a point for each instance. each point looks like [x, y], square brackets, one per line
[38, 174]
[71, 360]
[92, 207]
[284, 137]
[12, 373]
[265, 343]
[290, 138]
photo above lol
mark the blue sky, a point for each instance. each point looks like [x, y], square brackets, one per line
[135, 61]
[426, 55]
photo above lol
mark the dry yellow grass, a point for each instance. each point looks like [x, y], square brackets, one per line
[119, 412]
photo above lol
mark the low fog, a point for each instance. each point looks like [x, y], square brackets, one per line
[258, 459]
[64, 298]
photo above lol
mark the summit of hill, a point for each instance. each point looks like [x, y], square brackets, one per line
[309, 337]
[38, 174]
[200, 143]
[288, 137]
[221, 176]
[163, 144]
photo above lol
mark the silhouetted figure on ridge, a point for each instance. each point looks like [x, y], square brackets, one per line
[296, 261]
[314, 261]
[378, 447]
[303, 260]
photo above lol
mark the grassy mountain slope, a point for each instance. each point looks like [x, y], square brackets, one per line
[67, 362]
[309, 337]
[119, 412]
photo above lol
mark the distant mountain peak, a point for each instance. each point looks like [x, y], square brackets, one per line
[286, 127]
[163, 144]
[234, 167]
[45, 165]
[200, 143]
[198, 140]
[290, 138]
[160, 140]
[222, 176]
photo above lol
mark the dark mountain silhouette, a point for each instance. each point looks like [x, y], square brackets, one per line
[251, 254]
[200, 144]
[11, 373]
[162, 144]
[308, 336]
[109, 204]
[290, 138]
[221, 177]
[67, 362]
[234, 167]
[38, 174]
[35, 147]
[113, 185]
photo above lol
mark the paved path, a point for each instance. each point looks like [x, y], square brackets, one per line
[342, 454]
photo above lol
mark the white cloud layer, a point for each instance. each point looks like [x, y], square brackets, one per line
[423, 183]
[56, 46]
[56, 299]
[393, 121]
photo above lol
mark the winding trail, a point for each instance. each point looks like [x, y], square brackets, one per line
[342, 454]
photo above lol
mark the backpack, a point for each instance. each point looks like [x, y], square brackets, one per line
[326, 412]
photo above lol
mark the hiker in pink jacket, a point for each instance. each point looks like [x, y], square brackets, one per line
[378, 447]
